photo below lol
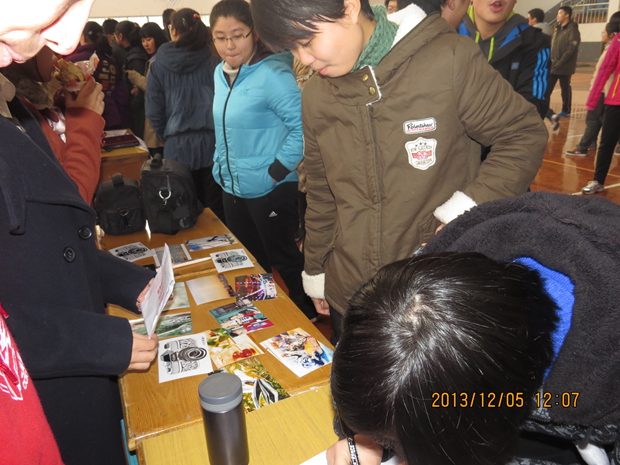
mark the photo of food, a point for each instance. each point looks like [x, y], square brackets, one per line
[225, 349]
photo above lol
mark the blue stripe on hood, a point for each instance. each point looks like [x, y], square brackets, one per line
[561, 290]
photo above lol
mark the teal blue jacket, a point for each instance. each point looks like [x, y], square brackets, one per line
[258, 130]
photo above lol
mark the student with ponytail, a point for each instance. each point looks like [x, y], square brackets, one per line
[128, 36]
[108, 73]
[179, 102]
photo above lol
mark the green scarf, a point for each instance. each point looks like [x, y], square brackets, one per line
[380, 41]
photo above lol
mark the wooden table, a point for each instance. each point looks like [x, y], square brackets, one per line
[127, 161]
[288, 432]
[151, 408]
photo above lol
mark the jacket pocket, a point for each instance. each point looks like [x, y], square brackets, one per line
[332, 245]
[253, 176]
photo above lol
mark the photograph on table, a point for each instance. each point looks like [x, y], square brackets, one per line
[210, 288]
[178, 299]
[256, 287]
[182, 357]
[210, 242]
[225, 349]
[240, 317]
[173, 325]
[299, 351]
[259, 387]
[231, 260]
[178, 254]
[132, 252]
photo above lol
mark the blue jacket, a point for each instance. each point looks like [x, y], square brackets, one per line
[258, 127]
[179, 99]
[520, 53]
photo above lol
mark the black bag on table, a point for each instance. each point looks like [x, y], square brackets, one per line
[119, 207]
[169, 195]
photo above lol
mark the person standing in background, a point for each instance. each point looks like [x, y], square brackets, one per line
[536, 18]
[518, 51]
[179, 102]
[165, 19]
[128, 36]
[259, 144]
[118, 53]
[610, 131]
[152, 38]
[564, 51]
[594, 118]
[108, 73]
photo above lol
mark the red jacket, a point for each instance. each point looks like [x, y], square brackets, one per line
[80, 156]
[610, 64]
[26, 435]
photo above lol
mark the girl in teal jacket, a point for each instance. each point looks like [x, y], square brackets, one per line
[258, 133]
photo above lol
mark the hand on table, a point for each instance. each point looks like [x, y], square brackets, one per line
[321, 306]
[143, 352]
[368, 452]
[90, 97]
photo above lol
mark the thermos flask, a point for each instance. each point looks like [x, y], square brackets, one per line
[221, 399]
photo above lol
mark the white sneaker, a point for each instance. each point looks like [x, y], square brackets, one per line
[593, 187]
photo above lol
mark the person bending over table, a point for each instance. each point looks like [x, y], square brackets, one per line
[458, 357]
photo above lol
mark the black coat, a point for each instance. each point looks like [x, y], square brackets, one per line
[579, 237]
[54, 284]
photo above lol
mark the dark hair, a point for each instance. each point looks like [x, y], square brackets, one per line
[130, 32]
[568, 10]
[429, 6]
[281, 23]
[153, 30]
[194, 34]
[612, 27]
[238, 9]
[95, 33]
[615, 17]
[109, 26]
[443, 323]
[165, 16]
[386, 3]
[537, 14]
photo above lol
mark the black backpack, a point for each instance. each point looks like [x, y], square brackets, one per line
[119, 207]
[169, 195]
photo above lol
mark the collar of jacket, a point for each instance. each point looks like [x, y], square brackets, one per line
[29, 170]
[559, 27]
[363, 87]
[500, 44]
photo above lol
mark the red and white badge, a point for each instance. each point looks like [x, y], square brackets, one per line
[422, 153]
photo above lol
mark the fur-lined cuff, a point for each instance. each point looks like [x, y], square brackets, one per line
[314, 285]
[458, 204]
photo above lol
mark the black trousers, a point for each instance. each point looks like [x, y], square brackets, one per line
[266, 226]
[208, 191]
[336, 319]
[594, 121]
[567, 93]
[609, 138]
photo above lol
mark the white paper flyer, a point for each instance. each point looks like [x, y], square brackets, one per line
[158, 294]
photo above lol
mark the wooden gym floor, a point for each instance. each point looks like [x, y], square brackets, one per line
[563, 173]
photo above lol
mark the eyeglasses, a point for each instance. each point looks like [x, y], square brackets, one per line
[234, 39]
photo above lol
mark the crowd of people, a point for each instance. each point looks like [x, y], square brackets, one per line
[418, 135]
